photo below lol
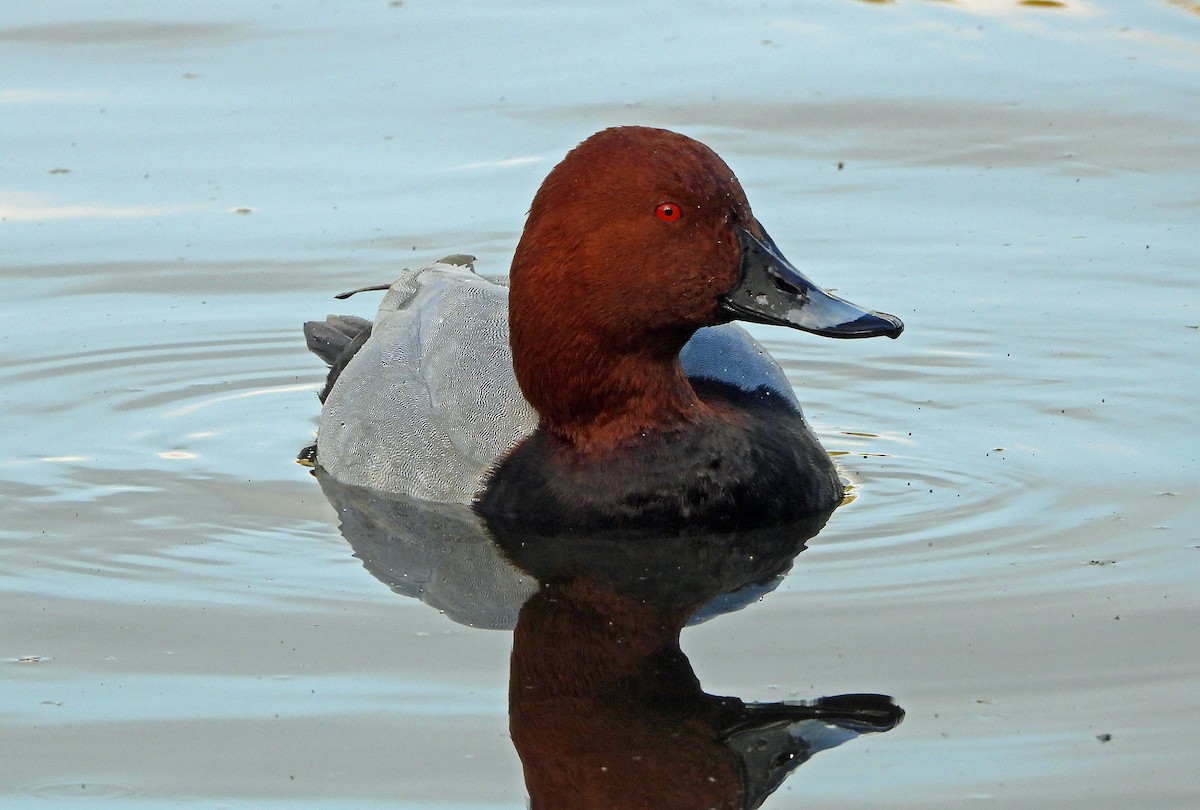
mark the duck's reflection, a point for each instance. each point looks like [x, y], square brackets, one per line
[605, 709]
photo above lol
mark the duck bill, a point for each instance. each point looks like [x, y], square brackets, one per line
[773, 291]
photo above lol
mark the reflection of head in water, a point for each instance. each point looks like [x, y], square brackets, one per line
[606, 711]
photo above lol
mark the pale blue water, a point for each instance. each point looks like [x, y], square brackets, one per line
[182, 620]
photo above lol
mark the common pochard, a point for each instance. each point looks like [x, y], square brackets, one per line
[628, 399]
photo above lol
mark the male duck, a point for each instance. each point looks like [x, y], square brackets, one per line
[627, 399]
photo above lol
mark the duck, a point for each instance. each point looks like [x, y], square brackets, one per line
[604, 384]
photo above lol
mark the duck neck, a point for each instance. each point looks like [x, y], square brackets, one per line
[594, 400]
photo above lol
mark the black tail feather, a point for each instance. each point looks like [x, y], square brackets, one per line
[335, 340]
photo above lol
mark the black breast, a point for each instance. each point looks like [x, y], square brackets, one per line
[762, 468]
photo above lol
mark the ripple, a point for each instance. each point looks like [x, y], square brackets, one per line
[176, 480]
[82, 790]
[981, 488]
[228, 405]
[934, 523]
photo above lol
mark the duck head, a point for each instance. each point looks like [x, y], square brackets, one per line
[638, 238]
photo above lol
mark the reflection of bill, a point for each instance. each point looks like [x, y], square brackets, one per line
[776, 738]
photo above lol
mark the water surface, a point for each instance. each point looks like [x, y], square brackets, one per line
[180, 188]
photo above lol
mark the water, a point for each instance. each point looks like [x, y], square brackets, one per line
[180, 189]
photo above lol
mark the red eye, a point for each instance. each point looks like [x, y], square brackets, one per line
[668, 212]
